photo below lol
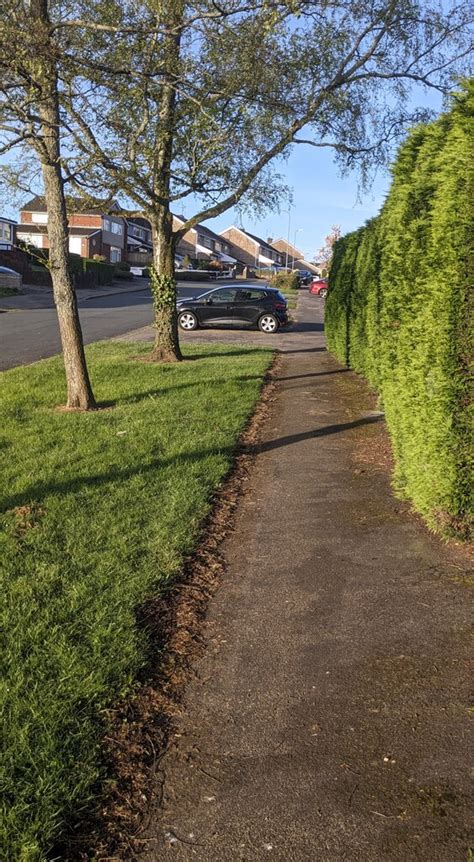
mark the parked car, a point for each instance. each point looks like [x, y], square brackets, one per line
[10, 278]
[304, 276]
[319, 286]
[264, 307]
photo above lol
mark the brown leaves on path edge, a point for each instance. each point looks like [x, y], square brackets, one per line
[139, 727]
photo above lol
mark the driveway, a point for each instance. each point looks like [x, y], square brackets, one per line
[297, 336]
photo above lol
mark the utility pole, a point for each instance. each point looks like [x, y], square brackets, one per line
[288, 211]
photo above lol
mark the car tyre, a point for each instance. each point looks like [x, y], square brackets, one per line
[268, 323]
[187, 321]
[323, 292]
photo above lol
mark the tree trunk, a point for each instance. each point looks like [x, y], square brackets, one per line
[79, 391]
[163, 282]
[163, 288]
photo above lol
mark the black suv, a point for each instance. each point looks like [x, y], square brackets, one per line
[264, 307]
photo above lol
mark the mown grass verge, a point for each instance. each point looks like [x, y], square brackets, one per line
[97, 512]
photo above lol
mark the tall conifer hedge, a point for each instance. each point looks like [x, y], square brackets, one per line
[399, 311]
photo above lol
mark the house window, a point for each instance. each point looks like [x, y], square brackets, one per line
[39, 218]
[107, 224]
[218, 246]
[115, 255]
[5, 232]
[117, 228]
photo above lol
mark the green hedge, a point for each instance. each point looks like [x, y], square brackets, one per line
[102, 273]
[285, 280]
[86, 272]
[399, 311]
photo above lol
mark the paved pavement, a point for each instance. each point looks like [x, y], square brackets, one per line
[328, 719]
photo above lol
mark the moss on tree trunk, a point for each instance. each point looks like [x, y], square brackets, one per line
[163, 289]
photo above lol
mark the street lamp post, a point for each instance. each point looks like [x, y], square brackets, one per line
[288, 211]
[298, 230]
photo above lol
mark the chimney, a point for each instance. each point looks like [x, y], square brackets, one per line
[270, 240]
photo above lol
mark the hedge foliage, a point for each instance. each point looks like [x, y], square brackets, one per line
[86, 271]
[285, 280]
[399, 311]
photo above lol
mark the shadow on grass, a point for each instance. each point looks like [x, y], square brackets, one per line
[242, 352]
[37, 492]
[157, 391]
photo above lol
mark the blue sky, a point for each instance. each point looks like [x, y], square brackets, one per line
[321, 198]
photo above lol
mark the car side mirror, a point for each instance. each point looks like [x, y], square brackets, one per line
[209, 301]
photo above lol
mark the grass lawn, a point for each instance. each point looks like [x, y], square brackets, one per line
[97, 511]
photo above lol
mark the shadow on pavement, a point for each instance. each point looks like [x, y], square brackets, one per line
[315, 374]
[37, 492]
[317, 432]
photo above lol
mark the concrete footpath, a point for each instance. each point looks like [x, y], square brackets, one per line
[329, 716]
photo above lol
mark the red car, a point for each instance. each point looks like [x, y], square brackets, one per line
[319, 286]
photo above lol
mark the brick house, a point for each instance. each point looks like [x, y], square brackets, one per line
[7, 234]
[251, 250]
[201, 243]
[296, 259]
[93, 230]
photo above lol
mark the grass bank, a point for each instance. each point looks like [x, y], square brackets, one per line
[97, 512]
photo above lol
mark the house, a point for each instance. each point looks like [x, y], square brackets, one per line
[93, 230]
[251, 250]
[201, 243]
[139, 242]
[294, 258]
[7, 234]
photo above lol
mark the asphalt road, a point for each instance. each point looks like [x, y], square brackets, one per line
[28, 335]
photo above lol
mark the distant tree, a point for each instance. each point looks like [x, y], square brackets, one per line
[325, 253]
[30, 117]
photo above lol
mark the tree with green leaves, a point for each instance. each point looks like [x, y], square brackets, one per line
[177, 102]
[30, 66]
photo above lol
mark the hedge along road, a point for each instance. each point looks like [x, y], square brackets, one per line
[27, 335]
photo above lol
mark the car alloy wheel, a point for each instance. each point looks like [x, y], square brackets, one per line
[187, 321]
[268, 323]
[323, 292]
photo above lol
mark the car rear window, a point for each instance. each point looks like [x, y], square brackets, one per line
[249, 294]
